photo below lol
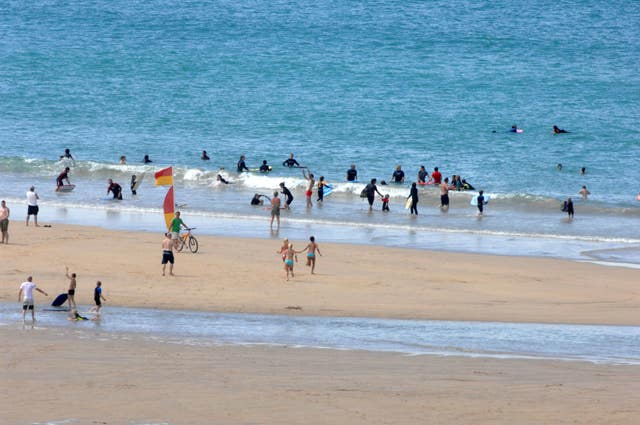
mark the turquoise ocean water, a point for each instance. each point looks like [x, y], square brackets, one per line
[374, 83]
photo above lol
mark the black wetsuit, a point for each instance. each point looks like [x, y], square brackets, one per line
[242, 166]
[116, 189]
[290, 162]
[255, 200]
[481, 203]
[352, 175]
[570, 208]
[398, 176]
[414, 200]
[422, 176]
[286, 192]
[371, 190]
[264, 168]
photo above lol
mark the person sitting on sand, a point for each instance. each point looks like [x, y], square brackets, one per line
[557, 130]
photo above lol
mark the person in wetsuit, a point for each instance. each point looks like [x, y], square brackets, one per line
[242, 166]
[204, 156]
[290, 162]
[116, 189]
[557, 130]
[398, 175]
[413, 194]
[146, 159]
[265, 168]
[287, 193]
[256, 199]
[352, 173]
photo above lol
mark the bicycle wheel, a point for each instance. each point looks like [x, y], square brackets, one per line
[193, 244]
[180, 245]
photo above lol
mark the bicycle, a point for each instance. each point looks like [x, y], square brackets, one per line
[189, 240]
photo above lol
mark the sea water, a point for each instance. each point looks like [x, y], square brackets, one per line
[376, 83]
[601, 344]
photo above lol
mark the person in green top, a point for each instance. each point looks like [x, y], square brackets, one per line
[174, 228]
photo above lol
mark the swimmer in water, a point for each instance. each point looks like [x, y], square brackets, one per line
[265, 168]
[123, 160]
[290, 162]
[67, 155]
[584, 192]
[221, 179]
[146, 160]
[583, 171]
[557, 130]
[204, 156]
[559, 167]
[256, 199]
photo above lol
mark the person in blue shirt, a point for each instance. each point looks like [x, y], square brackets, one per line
[398, 175]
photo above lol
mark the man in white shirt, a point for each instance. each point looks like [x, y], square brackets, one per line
[32, 205]
[26, 294]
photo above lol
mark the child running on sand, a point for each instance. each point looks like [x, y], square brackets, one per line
[283, 249]
[311, 249]
[290, 255]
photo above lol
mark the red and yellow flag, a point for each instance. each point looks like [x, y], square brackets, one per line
[169, 207]
[164, 177]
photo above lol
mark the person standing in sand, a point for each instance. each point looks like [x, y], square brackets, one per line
[26, 293]
[275, 209]
[71, 293]
[289, 256]
[311, 249]
[444, 194]
[4, 221]
[175, 226]
[32, 205]
[167, 254]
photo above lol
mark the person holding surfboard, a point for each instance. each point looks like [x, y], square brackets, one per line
[62, 176]
[321, 185]
[413, 195]
[481, 202]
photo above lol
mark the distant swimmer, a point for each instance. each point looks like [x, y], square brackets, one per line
[290, 162]
[146, 160]
[242, 166]
[584, 192]
[256, 199]
[444, 194]
[309, 177]
[583, 171]
[123, 160]
[436, 176]
[352, 173]
[63, 176]
[221, 179]
[559, 167]
[398, 175]
[67, 155]
[515, 129]
[287, 193]
[204, 156]
[115, 189]
[265, 168]
[467, 186]
[413, 195]
[423, 175]
[557, 130]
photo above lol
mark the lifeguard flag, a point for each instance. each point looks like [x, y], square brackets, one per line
[164, 177]
[169, 207]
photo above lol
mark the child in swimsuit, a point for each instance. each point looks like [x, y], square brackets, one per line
[283, 248]
[290, 254]
[311, 249]
[385, 203]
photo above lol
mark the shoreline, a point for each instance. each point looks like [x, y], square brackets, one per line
[245, 275]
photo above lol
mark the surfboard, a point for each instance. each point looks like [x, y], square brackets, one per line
[474, 200]
[353, 181]
[407, 204]
[60, 299]
[65, 188]
[257, 170]
[328, 190]
[138, 181]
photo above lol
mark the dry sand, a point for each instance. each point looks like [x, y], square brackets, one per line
[245, 275]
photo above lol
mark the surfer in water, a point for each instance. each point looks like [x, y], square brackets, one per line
[557, 130]
[413, 194]
[63, 176]
[290, 162]
[352, 173]
[256, 199]
[398, 175]
[204, 156]
[67, 155]
[242, 166]
[146, 159]
[265, 168]
[287, 193]
[221, 179]
[115, 189]
[515, 129]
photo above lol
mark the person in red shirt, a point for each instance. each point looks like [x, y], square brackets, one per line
[436, 176]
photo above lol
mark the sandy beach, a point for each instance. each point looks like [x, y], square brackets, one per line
[245, 275]
[83, 377]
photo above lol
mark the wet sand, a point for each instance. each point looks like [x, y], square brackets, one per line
[58, 374]
[246, 275]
